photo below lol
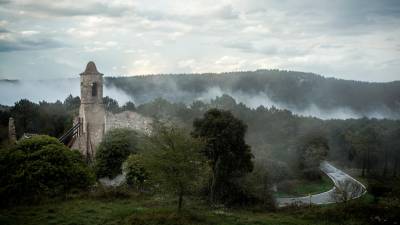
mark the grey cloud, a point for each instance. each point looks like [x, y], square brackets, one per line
[226, 12]
[3, 2]
[22, 44]
[342, 17]
[55, 8]
[266, 49]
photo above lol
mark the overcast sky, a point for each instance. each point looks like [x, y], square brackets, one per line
[350, 39]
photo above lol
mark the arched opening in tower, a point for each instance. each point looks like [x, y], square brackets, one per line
[94, 89]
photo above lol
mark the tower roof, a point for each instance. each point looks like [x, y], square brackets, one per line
[90, 69]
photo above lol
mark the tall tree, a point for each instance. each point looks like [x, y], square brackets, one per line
[113, 150]
[228, 154]
[312, 150]
[365, 142]
[173, 159]
[394, 145]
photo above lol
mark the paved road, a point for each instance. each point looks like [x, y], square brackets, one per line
[344, 183]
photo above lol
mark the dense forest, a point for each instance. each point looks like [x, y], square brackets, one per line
[302, 93]
[259, 150]
[274, 134]
[296, 91]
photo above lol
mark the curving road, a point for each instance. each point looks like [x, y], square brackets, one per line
[345, 188]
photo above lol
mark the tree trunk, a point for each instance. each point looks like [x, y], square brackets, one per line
[214, 182]
[396, 159]
[368, 161]
[385, 164]
[363, 167]
[180, 200]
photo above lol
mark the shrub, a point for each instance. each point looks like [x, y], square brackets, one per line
[40, 167]
[115, 148]
[136, 174]
[174, 161]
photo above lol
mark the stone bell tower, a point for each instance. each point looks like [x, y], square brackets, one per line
[91, 112]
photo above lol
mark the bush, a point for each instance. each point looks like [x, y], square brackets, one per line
[254, 190]
[136, 174]
[40, 167]
[115, 148]
[173, 159]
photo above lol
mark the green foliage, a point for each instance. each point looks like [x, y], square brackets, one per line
[228, 154]
[292, 88]
[38, 167]
[379, 188]
[26, 115]
[136, 174]
[72, 104]
[111, 105]
[312, 150]
[172, 158]
[255, 189]
[364, 142]
[129, 106]
[156, 211]
[113, 150]
[44, 118]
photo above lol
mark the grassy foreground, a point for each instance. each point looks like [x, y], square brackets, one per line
[156, 210]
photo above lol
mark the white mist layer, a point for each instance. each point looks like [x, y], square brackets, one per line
[50, 91]
[262, 99]
[53, 90]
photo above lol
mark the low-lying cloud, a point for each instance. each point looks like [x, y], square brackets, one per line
[49, 90]
[53, 90]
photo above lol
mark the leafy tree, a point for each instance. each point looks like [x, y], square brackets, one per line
[110, 104]
[365, 142]
[113, 150]
[136, 174]
[256, 188]
[72, 103]
[26, 115]
[312, 150]
[228, 154]
[173, 159]
[394, 142]
[40, 166]
[379, 188]
[129, 106]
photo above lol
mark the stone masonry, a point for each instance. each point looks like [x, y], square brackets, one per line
[94, 120]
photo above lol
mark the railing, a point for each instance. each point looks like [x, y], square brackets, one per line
[70, 133]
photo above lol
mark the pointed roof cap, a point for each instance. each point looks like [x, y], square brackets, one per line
[90, 69]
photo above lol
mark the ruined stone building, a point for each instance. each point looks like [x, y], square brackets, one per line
[93, 120]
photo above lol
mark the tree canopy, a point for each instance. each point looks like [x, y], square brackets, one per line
[40, 166]
[113, 150]
[172, 158]
[228, 154]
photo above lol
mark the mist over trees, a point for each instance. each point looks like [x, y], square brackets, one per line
[303, 93]
[226, 150]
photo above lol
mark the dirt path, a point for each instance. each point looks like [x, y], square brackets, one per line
[350, 187]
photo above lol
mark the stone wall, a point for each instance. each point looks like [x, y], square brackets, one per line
[128, 119]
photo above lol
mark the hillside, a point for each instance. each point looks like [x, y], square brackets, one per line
[302, 93]
[296, 91]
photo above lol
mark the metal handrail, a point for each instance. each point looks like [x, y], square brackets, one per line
[72, 131]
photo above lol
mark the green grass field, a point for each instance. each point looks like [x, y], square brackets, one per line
[156, 210]
[305, 187]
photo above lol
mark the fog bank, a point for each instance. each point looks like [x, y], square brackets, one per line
[53, 90]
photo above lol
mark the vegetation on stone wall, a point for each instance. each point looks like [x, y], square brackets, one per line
[113, 150]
